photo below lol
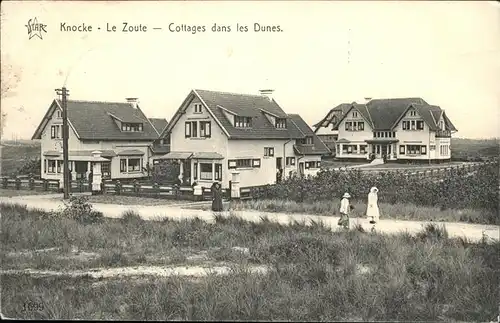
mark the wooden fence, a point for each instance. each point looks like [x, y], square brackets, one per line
[155, 190]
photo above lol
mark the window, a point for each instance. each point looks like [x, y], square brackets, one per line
[354, 126]
[307, 165]
[393, 134]
[59, 165]
[58, 114]
[205, 129]
[355, 114]
[55, 132]
[206, 171]
[280, 123]
[51, 166]
[197, 108]
[268, 151]
[420, 125]
[406, 125]
[362, 149]
[106, 170]
[218, 172]
[130, 165]
[290, 161]
[416, 150]
[191, 129]
[195, 171]
[413, 125]
[132, 127]
[413, 113]
[309, 140]
[242, 122]
[243, 163]
[402, 150]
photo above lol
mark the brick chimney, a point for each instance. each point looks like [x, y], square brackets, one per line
[133, 101]
[267, 93]
[367, 99]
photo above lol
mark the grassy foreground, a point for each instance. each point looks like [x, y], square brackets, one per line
[314, 274]
[399, 211]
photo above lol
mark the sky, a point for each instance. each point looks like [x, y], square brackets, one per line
[327, 53]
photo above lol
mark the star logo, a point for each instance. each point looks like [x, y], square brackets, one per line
[35, 28]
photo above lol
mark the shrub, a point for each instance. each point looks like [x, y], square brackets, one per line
[165, 172]
[454, 189]
[131, 217]
[80, 209]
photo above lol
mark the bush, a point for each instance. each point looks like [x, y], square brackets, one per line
[80, 209]
[31, 166]
[455, 189]
[165, 172]
[131, 217]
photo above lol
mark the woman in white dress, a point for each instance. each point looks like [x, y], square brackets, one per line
[372, 211]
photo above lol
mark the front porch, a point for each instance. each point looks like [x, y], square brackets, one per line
[383, 148]
[204, 168]
[80, 164]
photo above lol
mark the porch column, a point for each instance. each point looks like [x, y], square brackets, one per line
[88, 171]
[341, 148]
[181, 170]
[191, 166]
[213, 170]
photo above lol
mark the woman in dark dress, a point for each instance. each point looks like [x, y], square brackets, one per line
[216, 197]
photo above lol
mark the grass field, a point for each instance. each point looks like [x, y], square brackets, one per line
[14, 154]
[312, 273]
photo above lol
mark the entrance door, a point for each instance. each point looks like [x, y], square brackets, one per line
[279, 168]
[384, 151]
[187, 172]
[81, 169]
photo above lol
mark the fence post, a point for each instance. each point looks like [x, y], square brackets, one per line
[137, 187]
[80, 185]
[118, 187]
[32, 182]
[156, 189]
[45, 185]
[230, 190]
[103, 188]
[18, 183]
[5, 182]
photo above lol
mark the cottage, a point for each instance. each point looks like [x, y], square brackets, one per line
[119, 130]
[215, 134]
[405, 129]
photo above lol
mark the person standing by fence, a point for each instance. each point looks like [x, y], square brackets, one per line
[345, 208]
[216, 197]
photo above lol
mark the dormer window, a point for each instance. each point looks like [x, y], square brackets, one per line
[242, 122]
[197, 108]
[280, 123]
[132, 127]
[306, 141]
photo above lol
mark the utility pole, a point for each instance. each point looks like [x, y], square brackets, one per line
[65, 132]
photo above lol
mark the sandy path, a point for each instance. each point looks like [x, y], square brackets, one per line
[473, 232]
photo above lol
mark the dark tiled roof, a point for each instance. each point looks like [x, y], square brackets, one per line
[159, 124]
[160, 149]
[318, 147]
[383, 114]
[92, 120]
[338, 111]
[252, 106]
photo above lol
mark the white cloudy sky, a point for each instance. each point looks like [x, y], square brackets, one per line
[445, 52]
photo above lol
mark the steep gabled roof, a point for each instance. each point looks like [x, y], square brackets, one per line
[244, 105]
[159, 124]
[385, 114]
[318, 147]
[94, 120]
[338, 111]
